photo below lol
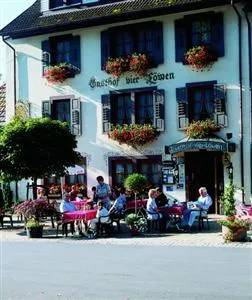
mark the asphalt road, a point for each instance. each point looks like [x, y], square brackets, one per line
[71, 270]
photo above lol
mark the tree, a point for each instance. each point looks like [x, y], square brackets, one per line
[36, 148]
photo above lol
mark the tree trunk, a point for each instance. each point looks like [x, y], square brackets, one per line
[34, 188]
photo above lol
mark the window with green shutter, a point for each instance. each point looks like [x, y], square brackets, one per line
[125, 40]
[199, 29]
[143, 106]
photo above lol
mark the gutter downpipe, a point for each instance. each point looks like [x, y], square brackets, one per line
[15, 71]
[241, 99]
[15, 93]
[250, 91]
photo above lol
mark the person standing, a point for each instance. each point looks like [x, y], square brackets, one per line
[103, 192]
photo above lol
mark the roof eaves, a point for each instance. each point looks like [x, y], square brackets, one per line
[108, 19]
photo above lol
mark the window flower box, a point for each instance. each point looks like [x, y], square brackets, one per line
[117, 66]
[200, 58]
[137, 63]
[201, 129]
[134, 134]
[60, 72]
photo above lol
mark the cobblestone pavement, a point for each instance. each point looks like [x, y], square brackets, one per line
[204, 238]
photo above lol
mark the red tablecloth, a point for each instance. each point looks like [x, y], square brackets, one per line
[79, 215]
[140, 203]
[175, 209]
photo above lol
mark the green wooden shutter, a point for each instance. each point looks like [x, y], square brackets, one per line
[46, 109]
[106, 113]
[76, 116]
[182, 107]
[75, 57]
[105, 47]
[217, 28]
[180, 40]
[220, 114]
[159, 114]
[46, 54]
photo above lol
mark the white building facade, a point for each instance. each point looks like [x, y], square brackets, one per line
[171, 96]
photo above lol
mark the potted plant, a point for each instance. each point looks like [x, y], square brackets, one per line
[117, 66]
[135, 183]
[200, 58]
[139, 64]
[33, 211]
[60, 72]
[201, 129]
[234, 228]
[133, 134]
[137, 224]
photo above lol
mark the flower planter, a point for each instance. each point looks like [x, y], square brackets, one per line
[34, 232]
[234, 236]
[133, 135]
[200, 58]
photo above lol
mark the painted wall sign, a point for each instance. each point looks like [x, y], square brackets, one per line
[150, 78]
[198, 145]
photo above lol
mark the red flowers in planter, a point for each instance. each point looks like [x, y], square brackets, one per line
[200, 58]
[117, 66]
[201, 129]
[137, 63]
[134, 134]
[60, 72]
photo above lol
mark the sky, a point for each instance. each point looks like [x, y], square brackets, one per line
[9, 10]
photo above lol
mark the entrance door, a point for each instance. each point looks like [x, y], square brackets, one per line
[204, 169]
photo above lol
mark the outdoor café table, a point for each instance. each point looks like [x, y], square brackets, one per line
[174, 212]
[84, 215]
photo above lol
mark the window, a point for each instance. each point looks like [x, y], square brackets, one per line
[199, 29]
[140, 38]
[121, 167]
[201, 101]
[145, 106]
[60, 3]
[65, 110]
[61, 49]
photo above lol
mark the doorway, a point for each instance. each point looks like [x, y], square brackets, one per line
[204, 168]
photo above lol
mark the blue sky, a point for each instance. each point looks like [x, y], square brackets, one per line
[9, 10]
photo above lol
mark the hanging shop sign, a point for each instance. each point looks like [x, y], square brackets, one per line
[150, 78]
[197, 145]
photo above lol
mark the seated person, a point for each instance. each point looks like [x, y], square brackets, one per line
[41, 194]
[95, 195]
[74, 192]
[161, 199]
[117, 208]
[152, 211]
[189, 214]
[102, 216]
[66, 205]
[122, 191]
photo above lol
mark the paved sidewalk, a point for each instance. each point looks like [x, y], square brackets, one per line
[204, 238]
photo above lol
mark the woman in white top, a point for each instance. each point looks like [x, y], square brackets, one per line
[152, 210]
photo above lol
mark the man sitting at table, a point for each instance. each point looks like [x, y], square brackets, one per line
[116, 211]
[67, 206]
[189, 214]
[160, 199]
[102, 216]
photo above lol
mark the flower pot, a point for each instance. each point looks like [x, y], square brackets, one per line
[34, 232]
[229, 236]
